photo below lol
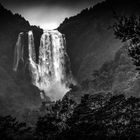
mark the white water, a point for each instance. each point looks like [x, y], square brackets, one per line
[18, 52]
[49, 74]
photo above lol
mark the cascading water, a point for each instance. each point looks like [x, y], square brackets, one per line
[52, 73]
[19, 50]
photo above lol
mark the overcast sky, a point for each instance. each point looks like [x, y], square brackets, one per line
[47, 14]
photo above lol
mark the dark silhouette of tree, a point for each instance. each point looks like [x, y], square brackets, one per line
[99, 116]
[133, 117]
[82, 124]
[11, 129]
[127, 29]
[54, 122]
[46, 127]
[104, 117]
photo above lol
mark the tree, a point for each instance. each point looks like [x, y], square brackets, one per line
[99, 116]
[11, 129]
[46, 127]
[53, 122]
[133, 117]
[127, 29]
[116, 118]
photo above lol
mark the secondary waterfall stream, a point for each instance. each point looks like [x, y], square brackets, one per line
[51, 74]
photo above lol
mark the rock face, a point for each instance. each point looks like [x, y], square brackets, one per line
[90, 41]
[16, 91]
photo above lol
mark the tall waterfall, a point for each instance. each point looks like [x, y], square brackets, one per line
[19, 50]
[51, 74]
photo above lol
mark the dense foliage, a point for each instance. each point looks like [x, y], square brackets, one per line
[99, 116]
[127, 29]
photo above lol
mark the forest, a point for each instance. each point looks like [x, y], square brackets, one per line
[99, 116]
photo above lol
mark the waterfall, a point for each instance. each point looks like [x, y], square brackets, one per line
[51, 73]
[18, 52]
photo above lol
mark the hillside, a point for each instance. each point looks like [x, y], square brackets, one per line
[117, 76]
[90, 42]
